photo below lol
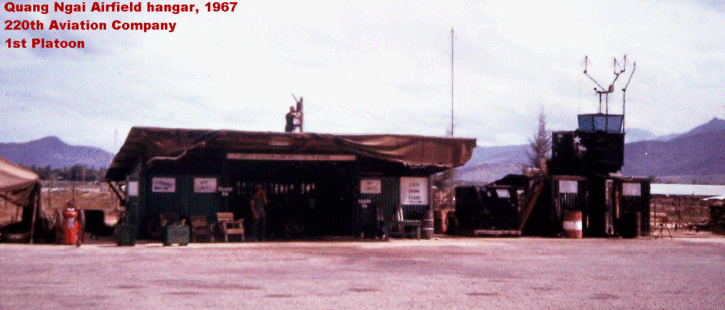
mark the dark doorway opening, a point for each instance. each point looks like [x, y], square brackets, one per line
[307, 199]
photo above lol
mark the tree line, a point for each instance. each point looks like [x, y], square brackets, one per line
[76, 172]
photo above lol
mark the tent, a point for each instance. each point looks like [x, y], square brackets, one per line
[21, 187]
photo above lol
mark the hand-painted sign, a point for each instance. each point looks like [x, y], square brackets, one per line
[568, 187]
[205, 185]
[631, 189]
[370, 186]
[413, 191]
[163, 185]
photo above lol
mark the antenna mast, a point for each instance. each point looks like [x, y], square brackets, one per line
[624, 92]
[606, 91]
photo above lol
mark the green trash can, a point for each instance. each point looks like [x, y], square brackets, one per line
[125, 235]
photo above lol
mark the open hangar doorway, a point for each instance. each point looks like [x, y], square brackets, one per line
[307, 198]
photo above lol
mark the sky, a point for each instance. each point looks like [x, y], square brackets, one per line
[367, 67]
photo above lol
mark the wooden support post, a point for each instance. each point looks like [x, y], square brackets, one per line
[36, 206]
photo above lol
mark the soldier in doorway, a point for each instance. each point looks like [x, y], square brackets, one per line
[259, 203]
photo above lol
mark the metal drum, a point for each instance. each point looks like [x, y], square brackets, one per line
[428, 228]
[573, 224]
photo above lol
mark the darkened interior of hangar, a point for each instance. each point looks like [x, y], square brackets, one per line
[306, 198]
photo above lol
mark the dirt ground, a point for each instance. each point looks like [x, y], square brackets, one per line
[444, 273]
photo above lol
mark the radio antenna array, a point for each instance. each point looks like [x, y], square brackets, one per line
[604, 92]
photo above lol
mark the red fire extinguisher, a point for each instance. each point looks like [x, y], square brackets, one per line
[72, 225]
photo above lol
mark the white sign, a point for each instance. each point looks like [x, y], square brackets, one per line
[163, 185]
[568, 187]
[204, 185]
[503, 193]
[413, 191]
[291, 157]
[133, 188]
[631, 189]
[370, 186]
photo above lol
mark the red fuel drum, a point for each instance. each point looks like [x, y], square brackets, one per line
[573, 224]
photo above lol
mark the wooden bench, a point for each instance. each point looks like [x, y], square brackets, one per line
[229, 226]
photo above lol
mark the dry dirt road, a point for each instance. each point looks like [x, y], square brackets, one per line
[444, 273]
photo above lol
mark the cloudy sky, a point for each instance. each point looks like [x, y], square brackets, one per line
[368, 67]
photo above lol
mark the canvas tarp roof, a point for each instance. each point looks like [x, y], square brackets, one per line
[148, 144]
[16, 183]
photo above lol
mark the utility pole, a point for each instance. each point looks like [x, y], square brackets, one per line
[452, 36]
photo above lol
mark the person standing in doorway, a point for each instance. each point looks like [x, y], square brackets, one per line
[259, 203]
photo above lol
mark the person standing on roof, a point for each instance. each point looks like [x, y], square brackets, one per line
[258, 203]
[290, 118]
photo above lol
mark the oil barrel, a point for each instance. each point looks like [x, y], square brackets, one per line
[573, 224]
[428, 228]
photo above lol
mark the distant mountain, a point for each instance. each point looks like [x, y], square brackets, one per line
[636, 135]
[668, 137]
[694, 156]
[51, 151]
[486, 173]
[690, 154]
[714, 125]
[488, 164]
[510, 154]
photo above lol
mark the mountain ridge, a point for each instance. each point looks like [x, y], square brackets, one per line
[686, 157]
[52, 151]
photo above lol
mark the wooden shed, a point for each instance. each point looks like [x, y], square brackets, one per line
[318, 184]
